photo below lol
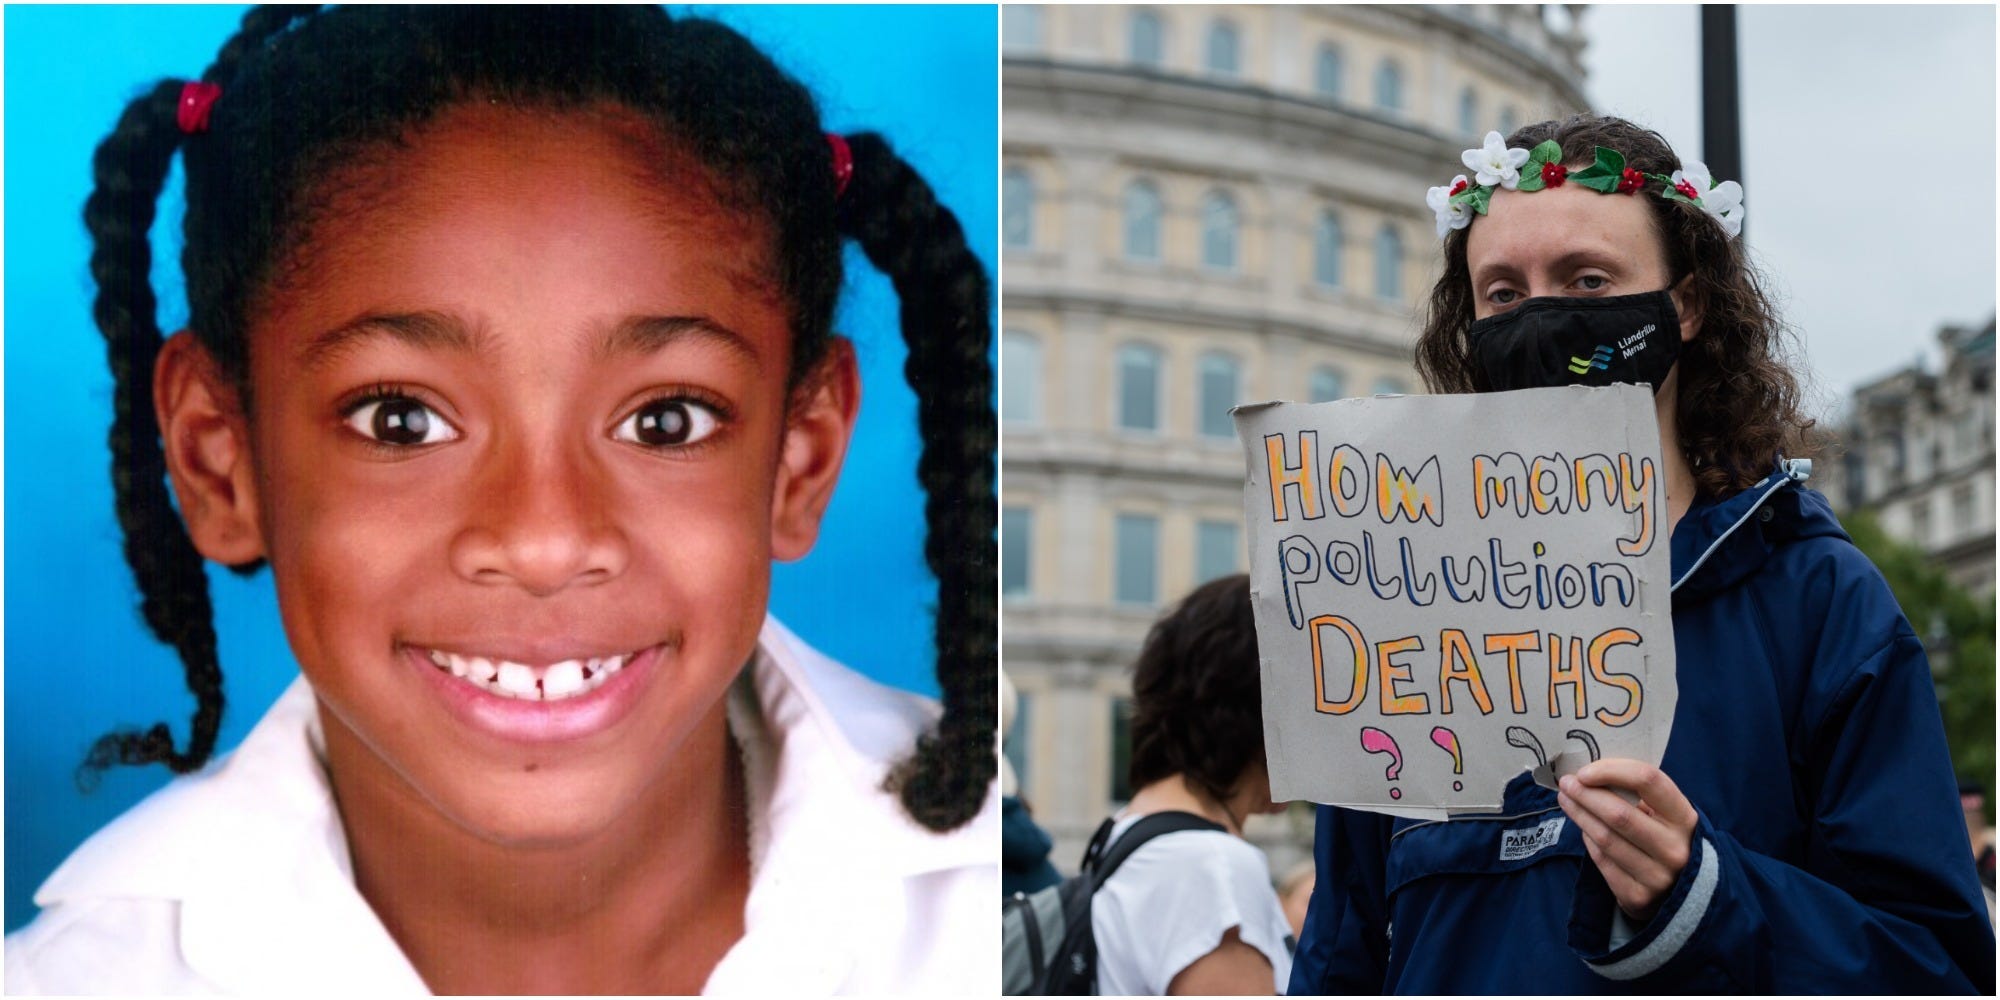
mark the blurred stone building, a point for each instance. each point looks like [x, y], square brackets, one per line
[1204, 205]
[1917, 449]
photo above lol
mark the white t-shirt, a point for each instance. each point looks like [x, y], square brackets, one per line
[238, 880]
[1173, 899]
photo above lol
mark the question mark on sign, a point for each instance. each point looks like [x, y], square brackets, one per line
[1519, 737]
[1375, 740]
[1448, 742]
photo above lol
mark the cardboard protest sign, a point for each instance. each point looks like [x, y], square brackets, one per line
[1451, 589]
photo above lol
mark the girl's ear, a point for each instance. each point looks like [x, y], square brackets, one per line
[1688, 302]
[821, 418]
[206, 437]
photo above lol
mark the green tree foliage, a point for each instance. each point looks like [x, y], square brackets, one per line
[1957, 627]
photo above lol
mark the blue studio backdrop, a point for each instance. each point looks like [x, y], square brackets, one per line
[78, 658]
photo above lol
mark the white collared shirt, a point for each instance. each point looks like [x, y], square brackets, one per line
[237, 879]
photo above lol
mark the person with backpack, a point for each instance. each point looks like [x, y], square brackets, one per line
[1191, 909]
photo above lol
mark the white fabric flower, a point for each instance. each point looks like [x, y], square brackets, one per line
[1494, 163]
[1722, 201]
[1450, 214]
[1695, 173]
[1725, 202]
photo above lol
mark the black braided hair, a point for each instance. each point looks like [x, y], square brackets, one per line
[129, 169]
[907, 235]
[305, 91]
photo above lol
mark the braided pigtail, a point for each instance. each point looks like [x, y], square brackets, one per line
[945, 297]
[129, 170]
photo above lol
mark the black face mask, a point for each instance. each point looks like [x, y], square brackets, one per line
[1578, 341]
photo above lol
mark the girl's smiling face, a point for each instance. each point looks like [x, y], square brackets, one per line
[520, 408]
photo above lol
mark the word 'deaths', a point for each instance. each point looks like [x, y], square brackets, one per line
[1451, 589]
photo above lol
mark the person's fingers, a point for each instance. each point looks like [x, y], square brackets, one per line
[1635, 899]
[1617, 847]
[1663, 843]
[1650, 783]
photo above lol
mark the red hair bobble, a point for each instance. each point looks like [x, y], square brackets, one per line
[843, 162]
[196, 98]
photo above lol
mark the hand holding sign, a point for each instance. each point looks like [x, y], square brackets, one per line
[1479, 573]
[1639, 848]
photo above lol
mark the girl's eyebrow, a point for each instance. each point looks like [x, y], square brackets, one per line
[439, 331]
[429, 330]
[647, 334]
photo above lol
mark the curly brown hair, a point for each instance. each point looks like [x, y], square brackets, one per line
[1197, 701]
[1738, 406]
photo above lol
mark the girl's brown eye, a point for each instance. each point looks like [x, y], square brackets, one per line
[667, 423]
[400, 421]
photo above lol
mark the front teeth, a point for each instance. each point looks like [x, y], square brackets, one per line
[508, 679]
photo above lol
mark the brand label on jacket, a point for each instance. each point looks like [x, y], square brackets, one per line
[1530, 841]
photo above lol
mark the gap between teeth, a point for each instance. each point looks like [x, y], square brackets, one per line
[508, 679]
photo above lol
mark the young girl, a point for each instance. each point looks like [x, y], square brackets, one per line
[1799, 836]
[510, 353]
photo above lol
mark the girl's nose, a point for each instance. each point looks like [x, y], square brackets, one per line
[541, 523]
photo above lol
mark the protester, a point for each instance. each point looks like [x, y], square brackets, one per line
[1192, 912]
[1799, 835]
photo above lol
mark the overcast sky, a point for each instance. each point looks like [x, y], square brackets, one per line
[1868, 135]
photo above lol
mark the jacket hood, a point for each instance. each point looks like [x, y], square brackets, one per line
[1717, 544]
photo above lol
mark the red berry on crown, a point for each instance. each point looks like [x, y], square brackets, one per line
[1687, 188]
[1553, 174]
[1631, 180]
[1460, 186]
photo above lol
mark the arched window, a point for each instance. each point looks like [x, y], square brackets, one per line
[1388, 86]
[1326, 250]
[1327, 72]
[1017, 208]
[1021, 28]
[1142, 220]
[1020, 378]
[1219, 222]
[1468, 112]
[1215, 549]
[1222, 48]
[1139, 387]
[1136, 557]
[1148, 40]
[1510, 120]
[1388, 385]
[1218, 392]
[1389, 264]
[1017, 550]
[1327, 385]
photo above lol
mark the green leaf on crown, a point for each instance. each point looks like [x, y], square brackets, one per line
[1603, 175]
[1531, 178]
[1548, 151]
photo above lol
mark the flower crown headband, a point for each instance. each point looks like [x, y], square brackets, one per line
[1495, 165]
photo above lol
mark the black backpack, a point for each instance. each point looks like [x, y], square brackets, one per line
[1048, 948]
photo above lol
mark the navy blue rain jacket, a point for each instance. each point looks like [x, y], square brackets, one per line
[1831, 855]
